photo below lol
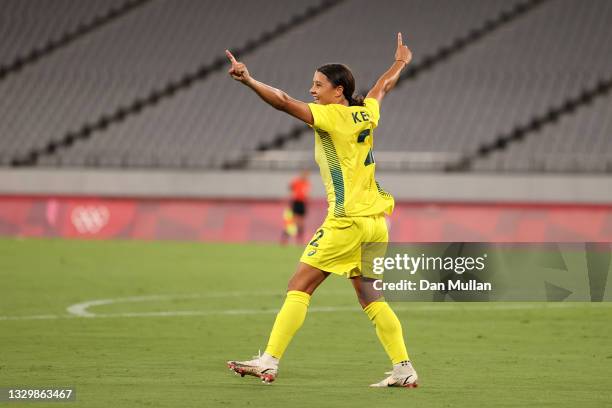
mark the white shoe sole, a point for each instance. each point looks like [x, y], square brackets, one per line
[266, 378]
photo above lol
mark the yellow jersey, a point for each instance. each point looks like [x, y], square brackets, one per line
[344, 140]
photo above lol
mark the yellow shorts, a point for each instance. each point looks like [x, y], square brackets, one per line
[336, 246]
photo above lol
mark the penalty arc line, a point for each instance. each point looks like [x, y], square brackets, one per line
[430, 307]
[81, 309]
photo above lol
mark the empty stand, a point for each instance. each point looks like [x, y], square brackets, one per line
[457, 106]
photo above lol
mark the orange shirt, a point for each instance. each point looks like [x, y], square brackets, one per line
[299, 189]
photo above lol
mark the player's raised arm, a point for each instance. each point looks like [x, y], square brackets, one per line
[388, 80]
[275, 97]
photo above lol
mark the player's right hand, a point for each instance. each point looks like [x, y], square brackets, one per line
[238, 71]
[402, 53]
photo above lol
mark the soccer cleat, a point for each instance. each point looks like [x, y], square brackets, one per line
[406, 380]
[255, 368]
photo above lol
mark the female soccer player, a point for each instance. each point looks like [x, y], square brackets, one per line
[343, 126]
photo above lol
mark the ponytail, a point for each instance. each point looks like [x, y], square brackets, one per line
[356, 100]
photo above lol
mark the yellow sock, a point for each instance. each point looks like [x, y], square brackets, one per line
[388, 330]
[288, 320]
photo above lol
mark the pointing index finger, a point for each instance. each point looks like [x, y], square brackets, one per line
[230, 56]
[399, 39]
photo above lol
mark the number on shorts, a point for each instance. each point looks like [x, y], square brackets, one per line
[318, 236]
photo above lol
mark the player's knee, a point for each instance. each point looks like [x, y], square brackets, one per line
[297, 284]
[366, 298]
[301, 284]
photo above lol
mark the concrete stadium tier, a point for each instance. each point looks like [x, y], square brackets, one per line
[501, 80]
[126, 60]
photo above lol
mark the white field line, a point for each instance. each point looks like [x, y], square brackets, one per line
[81, 310]
[35, 317]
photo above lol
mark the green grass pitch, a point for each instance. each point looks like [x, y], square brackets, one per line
[171, 314]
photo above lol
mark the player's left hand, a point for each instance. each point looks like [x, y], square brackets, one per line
[238, 71]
